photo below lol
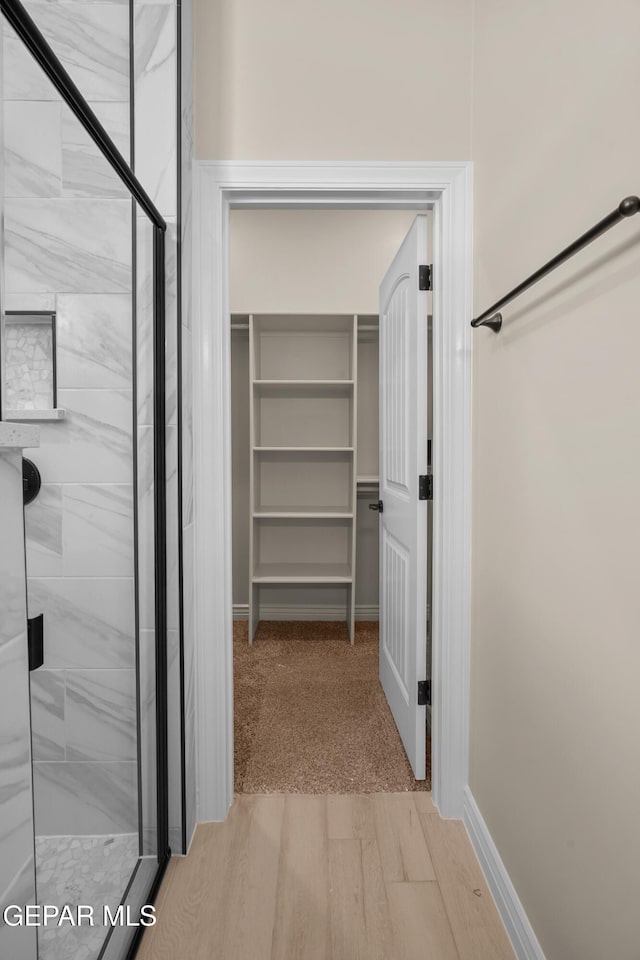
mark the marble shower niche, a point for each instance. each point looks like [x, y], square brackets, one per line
[30, 361]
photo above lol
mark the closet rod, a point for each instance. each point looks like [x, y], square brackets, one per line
[493, 319]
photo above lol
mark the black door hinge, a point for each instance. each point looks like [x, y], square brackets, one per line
[424, 693]
[377, 506]
[425, 486]
[424, 276]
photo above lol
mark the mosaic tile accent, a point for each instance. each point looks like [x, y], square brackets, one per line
[29, 365]
[87, 870]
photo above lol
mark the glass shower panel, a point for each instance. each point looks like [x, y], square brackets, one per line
[77, 250]
[146, 538]
[145, 569]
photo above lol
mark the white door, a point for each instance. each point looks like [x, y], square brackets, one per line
[403, 520]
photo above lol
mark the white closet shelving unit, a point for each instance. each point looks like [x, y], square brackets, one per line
[303, 463]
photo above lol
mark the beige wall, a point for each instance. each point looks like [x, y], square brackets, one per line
[555, 710]
[556, 406]
[356, 80]
[312, 261]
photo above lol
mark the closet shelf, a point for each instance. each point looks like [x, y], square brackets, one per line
[319, 389]
[303, 449]
[302, 573]
[302, 513]
[367, 481]
[302, 383]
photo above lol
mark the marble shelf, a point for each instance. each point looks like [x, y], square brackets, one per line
[59, 413]
[18, 435]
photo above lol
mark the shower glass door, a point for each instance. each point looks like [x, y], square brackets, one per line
[83, 301]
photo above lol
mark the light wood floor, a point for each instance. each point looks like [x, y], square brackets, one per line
[293, 877]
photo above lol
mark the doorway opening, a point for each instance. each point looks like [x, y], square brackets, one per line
[310, 712]
[446, 190]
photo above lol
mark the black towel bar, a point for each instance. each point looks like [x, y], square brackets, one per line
[492, 318]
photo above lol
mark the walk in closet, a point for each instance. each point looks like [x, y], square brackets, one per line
[304, 301]
[305, 442]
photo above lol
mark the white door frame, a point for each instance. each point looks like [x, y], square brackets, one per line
[446, 189]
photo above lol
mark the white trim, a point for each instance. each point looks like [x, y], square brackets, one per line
[523, 939]
[451, 591]
[445, 188]
[213, 661]
[269, 611]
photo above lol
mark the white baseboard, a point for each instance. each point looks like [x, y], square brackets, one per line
[520, 931]
[292, 612]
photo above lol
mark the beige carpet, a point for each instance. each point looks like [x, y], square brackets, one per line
[310, 714]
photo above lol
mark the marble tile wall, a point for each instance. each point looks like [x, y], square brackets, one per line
[155, 98]
[68, 229]
[92, 41]
[67, 245]
[17, 870]
[80, 562]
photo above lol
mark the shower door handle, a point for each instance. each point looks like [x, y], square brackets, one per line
[35, 641]
[31, 481]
